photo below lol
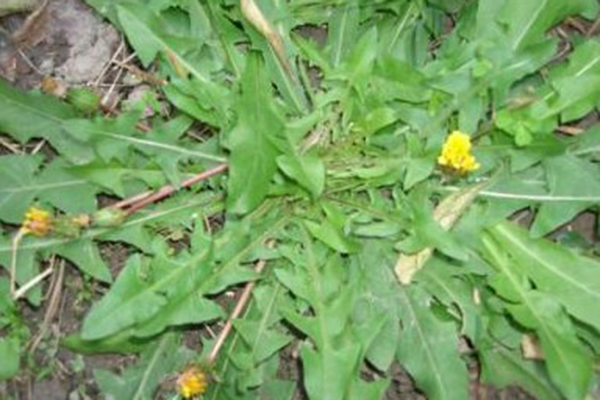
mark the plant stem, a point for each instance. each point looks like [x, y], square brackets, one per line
[142, 200]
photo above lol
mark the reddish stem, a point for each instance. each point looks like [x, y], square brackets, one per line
[142, 200]
[239, 307]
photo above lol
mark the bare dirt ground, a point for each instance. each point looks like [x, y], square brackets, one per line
[68, 42]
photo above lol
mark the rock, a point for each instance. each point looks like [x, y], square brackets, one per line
[72, 44]
[90, 41]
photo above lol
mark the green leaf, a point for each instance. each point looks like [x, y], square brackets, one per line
[329, 234]
[502, 367]
[84, 253]
[264, 342]
[575, 85]
[149, 297]
[528, 20]
[569, 363]
[21, 183]
[572, 279]
[259, 328]
[28, 115]
[27, 266]
[17, 179]
[10, 355]
[120, 343]
[188, 308]
[140, 381]
[439, 280]
[253, 141]
[131, 300]
[148, 35]
[429, 349]
[328, 375]
[559, 175]
[343, 32]
[307, 169]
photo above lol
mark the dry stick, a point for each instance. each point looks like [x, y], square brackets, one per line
[170, 189]
[131, 200]
[55, 296]
[109, 63]
[29, 285]
[593, 28]
[142, 196]
[239, 307]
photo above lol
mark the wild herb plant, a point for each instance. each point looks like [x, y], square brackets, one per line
[369, 158]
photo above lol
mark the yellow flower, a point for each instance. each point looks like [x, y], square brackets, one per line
[192, 382]
[456, 153]
[37, 221]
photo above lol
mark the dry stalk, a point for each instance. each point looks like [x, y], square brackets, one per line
[258, 20]
[237, 311]
[168, 190]
[53, 305]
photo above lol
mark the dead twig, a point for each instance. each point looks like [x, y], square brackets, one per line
[53, 305]
[237, 311]
[257, 19]
[168, 190]
[593, 28]
[22, 291]
[570, 130]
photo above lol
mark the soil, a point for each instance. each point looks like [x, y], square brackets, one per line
[73, 45]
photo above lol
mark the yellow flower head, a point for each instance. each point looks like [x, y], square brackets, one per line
[456, 153]
[37, 221]
[192, 382]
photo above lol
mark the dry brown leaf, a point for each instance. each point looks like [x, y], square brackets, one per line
[531, 348]
[446, 214]
[258, 20]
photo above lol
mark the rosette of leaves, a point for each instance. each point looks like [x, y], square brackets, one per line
[333, 156]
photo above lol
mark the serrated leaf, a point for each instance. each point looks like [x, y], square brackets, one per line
[85, 255]
[569, 364]
[140, 381]
[131, 300]
[185, 309]
[329, 234]
[329, 374]
[559, 175]
[439, 280]
[429, 349]
[528, 20]
[575, 83]
[145, 31]
[502, 367]
[572, 279]
[307, 169]
[146, 299]
[446, 214]
[21, 183]
[263, 341]
[28, 115]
